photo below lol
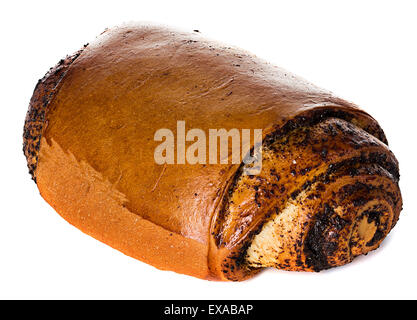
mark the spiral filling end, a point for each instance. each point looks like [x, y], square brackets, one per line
[314, 212]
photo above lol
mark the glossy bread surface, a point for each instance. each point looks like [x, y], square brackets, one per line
[89, 140]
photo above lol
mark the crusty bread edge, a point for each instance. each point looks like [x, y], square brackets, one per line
[45, 90]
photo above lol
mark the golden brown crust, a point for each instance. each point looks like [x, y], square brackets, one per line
[100, 124]
[88, 201]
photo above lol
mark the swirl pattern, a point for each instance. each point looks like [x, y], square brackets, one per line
[328, 192]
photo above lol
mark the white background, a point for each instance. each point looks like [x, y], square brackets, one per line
[364, 51]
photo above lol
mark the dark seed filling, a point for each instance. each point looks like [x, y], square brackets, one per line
[318, 244]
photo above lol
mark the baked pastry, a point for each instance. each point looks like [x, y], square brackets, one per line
[327, 192]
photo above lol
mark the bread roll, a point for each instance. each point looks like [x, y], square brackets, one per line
[327, 192]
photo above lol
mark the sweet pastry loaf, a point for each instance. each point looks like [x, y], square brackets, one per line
[326, 193]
